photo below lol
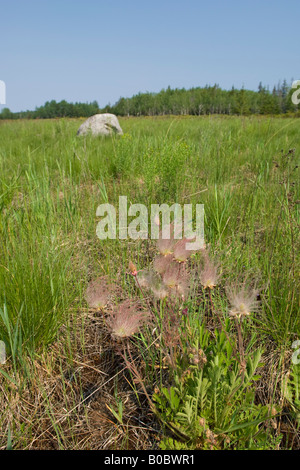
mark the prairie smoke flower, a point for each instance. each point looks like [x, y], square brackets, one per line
[243, 301]
[145, 278]
[167, 241]
[209, 275]
[152, 281]
[98, 293]
[182, 287]
[176, 279]
[172, 274]
[126, 320]
[160, 291]
[165, 246]
[148, 279]
[158, 288]
[180, 252]
[161, 263]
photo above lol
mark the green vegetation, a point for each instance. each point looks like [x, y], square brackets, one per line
[195, 101]
[208, 100]
[52, 109]
[191, 376]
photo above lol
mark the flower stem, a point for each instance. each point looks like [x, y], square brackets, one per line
[241, 346]
[220, 321]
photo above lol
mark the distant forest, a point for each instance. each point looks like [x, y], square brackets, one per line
[195, 101]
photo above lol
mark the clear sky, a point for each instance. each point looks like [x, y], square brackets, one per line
[104, 49]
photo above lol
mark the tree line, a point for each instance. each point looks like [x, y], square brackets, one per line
[52, 109]
[208, 100]
[194, 101]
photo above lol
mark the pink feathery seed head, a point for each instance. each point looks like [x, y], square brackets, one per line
[145, 278]
[171, 275]
[127, 319]
[165, 246]
[158, 288]
[168, 237]
[151, 280]
[243, 301]
[209, 276]
[178, 279]
[98, 292]
[160, 291]
[161, 263]
[181, 289]
[175, 274]
[181, 253]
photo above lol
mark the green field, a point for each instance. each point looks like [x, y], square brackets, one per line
[67, 383]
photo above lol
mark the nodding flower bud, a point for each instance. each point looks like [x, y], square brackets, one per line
[132, 268]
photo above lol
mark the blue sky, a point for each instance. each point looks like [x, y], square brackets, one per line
[101, 50]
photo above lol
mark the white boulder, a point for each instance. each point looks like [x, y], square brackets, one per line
[101, 124]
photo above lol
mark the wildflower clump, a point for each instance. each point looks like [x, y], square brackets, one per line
[170, 276]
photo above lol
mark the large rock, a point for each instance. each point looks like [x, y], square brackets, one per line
[101, 124]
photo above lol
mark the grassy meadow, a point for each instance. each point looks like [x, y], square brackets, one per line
[192, 377]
